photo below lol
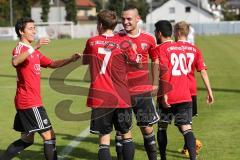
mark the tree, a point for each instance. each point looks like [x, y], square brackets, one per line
[99, 4]
[4, 13]
[143, 8]
[45, 10]
[117, 5]
[71, 10]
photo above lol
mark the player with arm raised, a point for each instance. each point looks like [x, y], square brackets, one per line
[31, 117]
[194, 62]
[140, 87]
[174, 97]
[107, 56]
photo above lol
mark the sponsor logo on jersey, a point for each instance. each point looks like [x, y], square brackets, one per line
[45, 121]
[144, 46]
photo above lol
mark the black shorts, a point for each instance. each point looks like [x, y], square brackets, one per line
[32, 120]
[144, 109]
[181, 112]
[103, 119]
[194, 106]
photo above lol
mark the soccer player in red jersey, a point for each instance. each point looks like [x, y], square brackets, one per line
[31, 117]
[194, 62]
[175, 102]
[139, 82]
[109, 98]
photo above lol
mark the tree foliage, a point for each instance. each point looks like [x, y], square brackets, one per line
[229, 14]
[118, 5]
[20, 8]
[71, 10]
[98, 5]
[45, 10]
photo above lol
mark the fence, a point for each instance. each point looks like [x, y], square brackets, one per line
[88, 30]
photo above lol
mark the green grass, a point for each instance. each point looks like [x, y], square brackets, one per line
[217, 126]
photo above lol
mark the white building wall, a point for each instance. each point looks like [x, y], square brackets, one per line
[55, 14]
[36, 14]
[196, 15]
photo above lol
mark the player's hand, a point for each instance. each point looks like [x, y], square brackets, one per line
[210, 99]
[154, 90]
[165, 102]
[75, 57]
[42, 41]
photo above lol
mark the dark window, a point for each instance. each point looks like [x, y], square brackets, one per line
[172, 10]
[188, 9]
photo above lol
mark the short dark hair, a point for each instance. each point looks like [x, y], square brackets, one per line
[164, 27]
[107, 18]
[130, 7]
[21, 24]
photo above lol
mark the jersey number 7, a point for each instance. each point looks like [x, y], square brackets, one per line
[107, 53]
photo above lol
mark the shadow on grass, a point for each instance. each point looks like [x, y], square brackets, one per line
[94, 140]
[82, 152]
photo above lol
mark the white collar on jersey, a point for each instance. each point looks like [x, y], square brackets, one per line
[167, 41]
[108, 35]
[134, 36]
[182, 41]
[24, 44]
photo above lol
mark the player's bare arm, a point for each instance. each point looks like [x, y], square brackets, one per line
[155, 76]
[63, 62]
[204, 75]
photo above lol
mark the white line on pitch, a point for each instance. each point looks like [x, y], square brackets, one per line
[74, 143]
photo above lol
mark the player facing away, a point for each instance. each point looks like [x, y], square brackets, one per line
[194, 62]
[140, 86]
[174, 97]
[107, 56]
[31, 117]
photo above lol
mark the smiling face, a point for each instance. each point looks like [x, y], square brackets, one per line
[130, 19]
[28, 33]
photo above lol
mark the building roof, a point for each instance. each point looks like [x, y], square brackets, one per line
[161, 3]
[85, 3]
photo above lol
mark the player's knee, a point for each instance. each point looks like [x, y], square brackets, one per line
[146, 130]
[127, 135]
[184, 128]
[28, 138]
[104, 139]
[48, 135]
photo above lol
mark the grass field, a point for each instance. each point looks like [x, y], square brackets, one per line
[218, 126]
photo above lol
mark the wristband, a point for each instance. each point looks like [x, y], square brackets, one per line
[30, 51]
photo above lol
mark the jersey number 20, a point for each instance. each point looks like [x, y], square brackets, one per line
[179, 64]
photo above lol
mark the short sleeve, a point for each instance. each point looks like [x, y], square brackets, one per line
[200, 65]
[153, 44]
[44, 61]
[18, 50]
[164, 63]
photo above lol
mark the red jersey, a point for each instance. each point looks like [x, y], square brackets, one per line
[28, 77]
[108, 65]
[194, 61]
[138, 78]
[173, 57]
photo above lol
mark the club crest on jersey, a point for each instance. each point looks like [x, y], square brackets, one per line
[144, 46]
